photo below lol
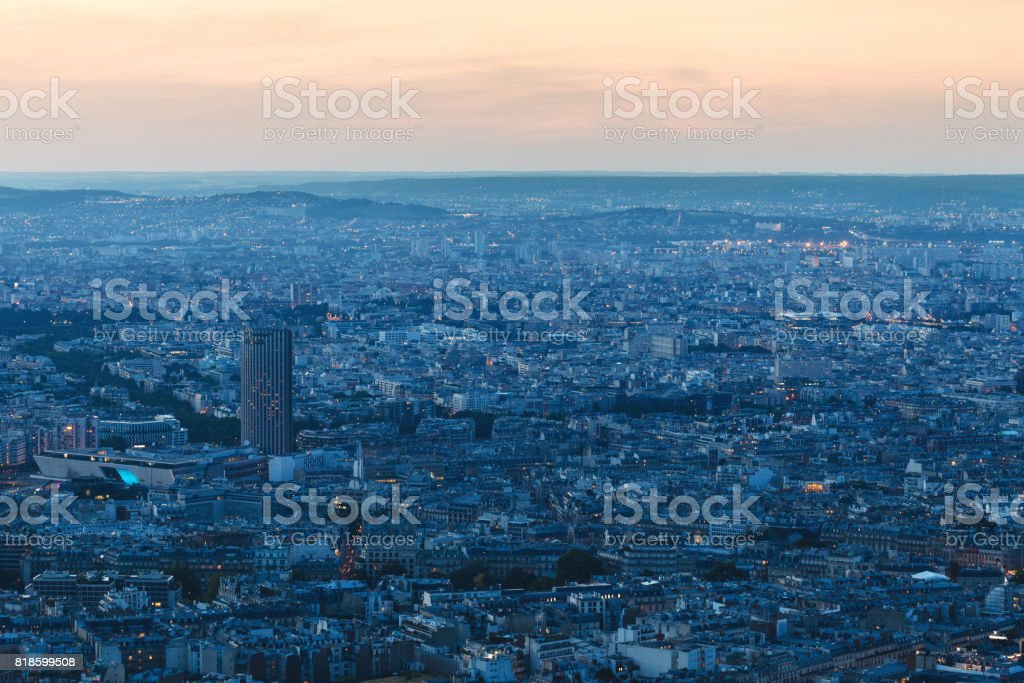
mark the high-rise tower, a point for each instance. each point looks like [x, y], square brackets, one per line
[266, 400]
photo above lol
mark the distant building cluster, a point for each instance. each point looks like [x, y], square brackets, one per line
[543, 435]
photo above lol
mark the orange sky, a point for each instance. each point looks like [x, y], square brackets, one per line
[844, 86]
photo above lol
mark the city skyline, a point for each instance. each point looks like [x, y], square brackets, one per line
[756, 428]
[546, 342]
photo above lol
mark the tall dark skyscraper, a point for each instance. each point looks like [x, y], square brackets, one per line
[266, 401]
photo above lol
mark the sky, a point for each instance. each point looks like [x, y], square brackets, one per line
[838, 86]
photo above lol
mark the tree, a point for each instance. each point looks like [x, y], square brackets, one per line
[465, 577]
[518, 577]
[483, 422]
[578, 566]
[185, 576]
[212, 588]
[725, 571]
[393, 569]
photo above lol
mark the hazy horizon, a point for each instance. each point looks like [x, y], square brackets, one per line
[857, 89]
[216, 182]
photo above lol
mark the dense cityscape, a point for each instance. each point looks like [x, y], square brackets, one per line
[515, 428]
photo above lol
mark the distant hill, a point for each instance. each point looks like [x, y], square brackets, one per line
[892, 193]
[319, 206]
[16, 199]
